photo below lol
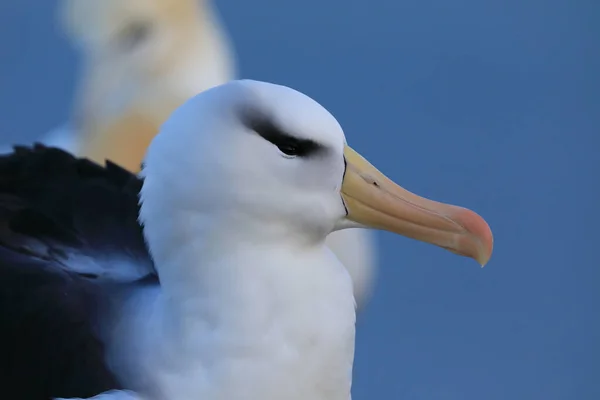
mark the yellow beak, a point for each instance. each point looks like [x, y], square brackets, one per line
[373, 200]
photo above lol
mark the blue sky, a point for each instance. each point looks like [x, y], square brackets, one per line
[493, 105]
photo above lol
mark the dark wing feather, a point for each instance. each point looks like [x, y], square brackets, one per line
[66, 225]
[73, 212]
[48, 347]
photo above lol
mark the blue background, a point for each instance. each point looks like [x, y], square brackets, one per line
[493, 105]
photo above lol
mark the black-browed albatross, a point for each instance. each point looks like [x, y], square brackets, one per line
[140, 59]
[235, 296]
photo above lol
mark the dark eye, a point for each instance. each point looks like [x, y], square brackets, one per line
[289, 145]
[290, 149]
[134, 34]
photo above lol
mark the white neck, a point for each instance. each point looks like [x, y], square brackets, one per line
[270, 322]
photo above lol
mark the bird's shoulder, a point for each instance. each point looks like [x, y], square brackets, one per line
[72, 213]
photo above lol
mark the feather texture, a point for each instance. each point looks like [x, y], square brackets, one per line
[67, 226]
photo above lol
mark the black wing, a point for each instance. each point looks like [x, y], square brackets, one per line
[66, 225]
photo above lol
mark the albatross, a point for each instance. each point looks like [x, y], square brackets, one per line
[208, 276]
[140, 60]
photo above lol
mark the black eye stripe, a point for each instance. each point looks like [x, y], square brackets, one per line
[286, 143]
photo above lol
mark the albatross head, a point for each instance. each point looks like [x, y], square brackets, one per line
[141, 60]
[130, 30]
[276, 162]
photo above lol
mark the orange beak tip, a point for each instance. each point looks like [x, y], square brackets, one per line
[480, 231]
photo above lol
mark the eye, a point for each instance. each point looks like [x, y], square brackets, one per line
[289, 145]
[134, 34]
[289, 149]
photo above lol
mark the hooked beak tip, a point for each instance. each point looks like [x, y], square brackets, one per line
[479, 229]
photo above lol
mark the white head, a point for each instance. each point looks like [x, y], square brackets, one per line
[141, 60]
[266, 157]
[139, 32]
[274, 165]
[127, 43]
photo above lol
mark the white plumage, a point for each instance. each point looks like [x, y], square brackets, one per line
[140, 60]
[251, 303]
[241, 298]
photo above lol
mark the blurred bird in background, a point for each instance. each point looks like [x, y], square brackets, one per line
[140, 60]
